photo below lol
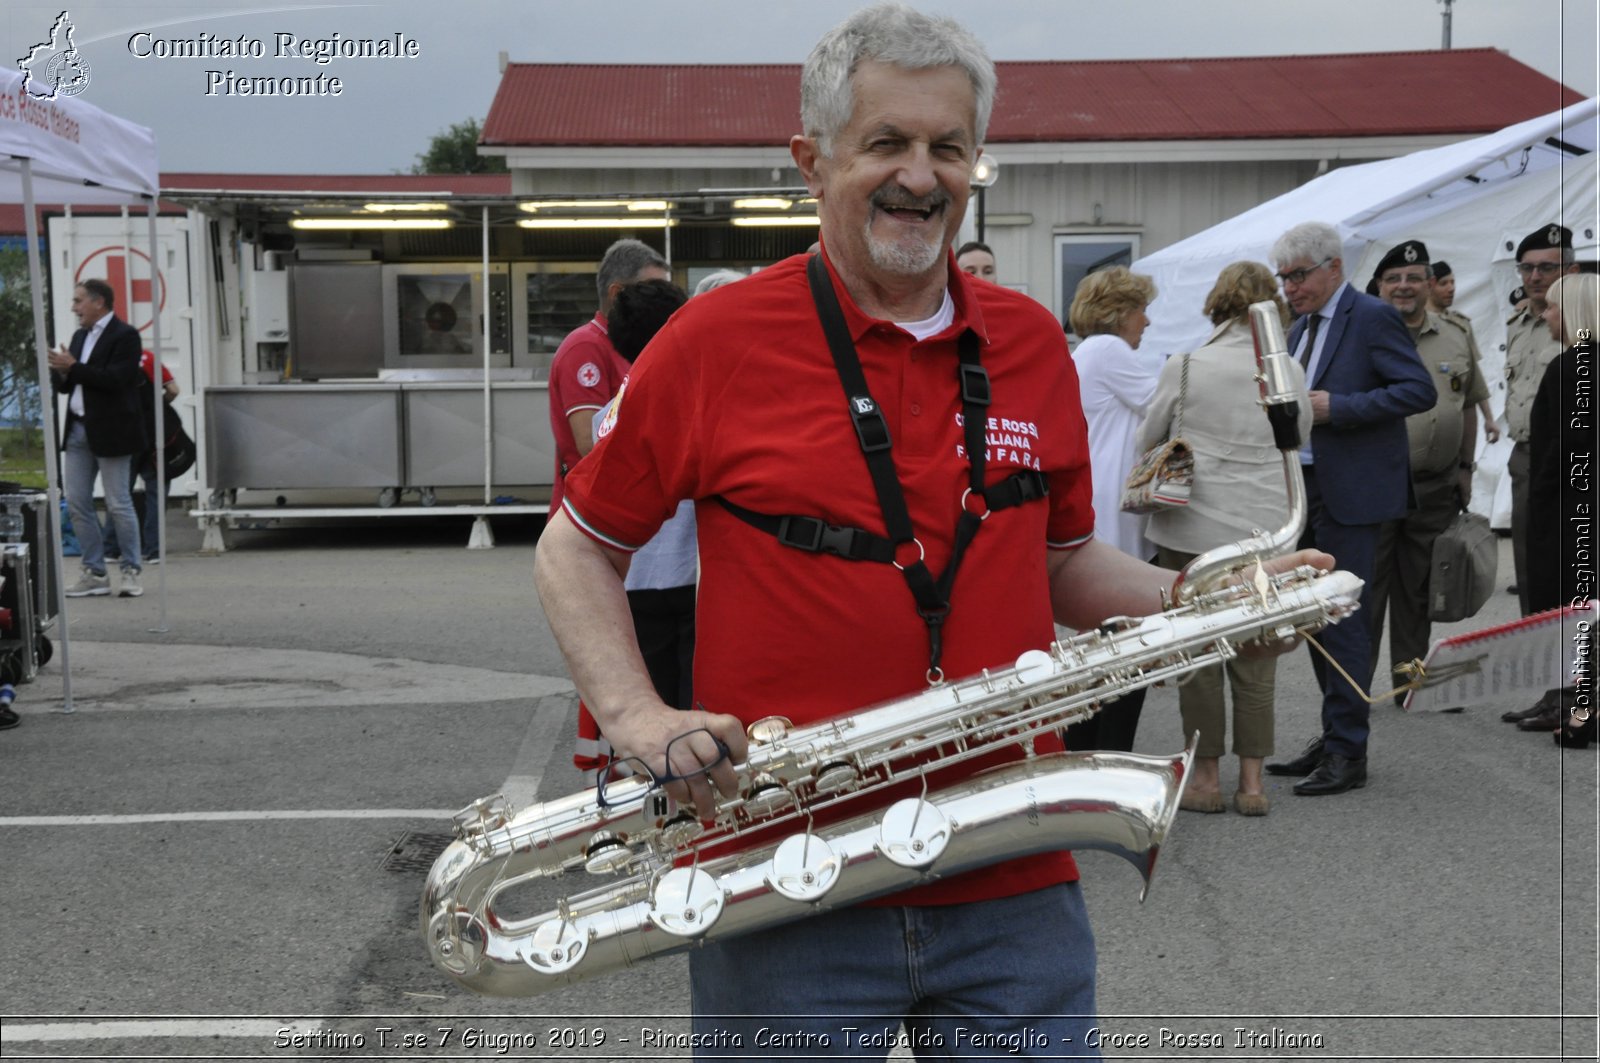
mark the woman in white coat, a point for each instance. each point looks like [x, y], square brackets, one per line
[1115, 381]
[1238, 489]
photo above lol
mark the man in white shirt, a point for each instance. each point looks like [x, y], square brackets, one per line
[102, 433]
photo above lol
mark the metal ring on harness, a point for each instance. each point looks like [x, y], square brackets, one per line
[922, 555]
[986, 510]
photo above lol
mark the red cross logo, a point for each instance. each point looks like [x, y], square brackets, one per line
[133, 292]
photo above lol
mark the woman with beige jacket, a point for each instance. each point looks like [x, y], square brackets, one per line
[1238, 490]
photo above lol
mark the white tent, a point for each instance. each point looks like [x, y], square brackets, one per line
[1470, 202]
[62, 150]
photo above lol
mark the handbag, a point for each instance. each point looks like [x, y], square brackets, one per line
[1164, 477]
[1466, 557]
[178, 452]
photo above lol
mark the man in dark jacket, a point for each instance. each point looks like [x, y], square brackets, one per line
[102, 432]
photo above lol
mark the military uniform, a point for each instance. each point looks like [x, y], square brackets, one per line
[1405, 546]
[1529, 348]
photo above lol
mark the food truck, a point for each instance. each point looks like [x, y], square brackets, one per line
[381, 347]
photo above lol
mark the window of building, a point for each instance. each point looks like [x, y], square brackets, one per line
[1080, 254]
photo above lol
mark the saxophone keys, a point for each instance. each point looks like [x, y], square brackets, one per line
[835, 776]
[557, 946]
[680, 830]
[769, 729]
[606, 854]
[913, 833]
[767, 795]
[804, 868]
[686, 902]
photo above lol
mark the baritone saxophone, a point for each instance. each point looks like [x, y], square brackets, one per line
[669, 881]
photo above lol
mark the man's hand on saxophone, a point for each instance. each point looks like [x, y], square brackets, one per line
[580, 583]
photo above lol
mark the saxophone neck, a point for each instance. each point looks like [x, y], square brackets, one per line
[1281, 392]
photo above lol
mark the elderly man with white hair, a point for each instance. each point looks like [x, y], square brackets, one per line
[921, 430]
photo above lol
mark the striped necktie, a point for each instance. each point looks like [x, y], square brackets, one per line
[1311, 341]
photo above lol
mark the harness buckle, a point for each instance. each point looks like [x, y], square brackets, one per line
[872, 431]
[819, 537]
[974, 385]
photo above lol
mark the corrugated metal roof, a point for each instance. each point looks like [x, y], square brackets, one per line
[1371, 94]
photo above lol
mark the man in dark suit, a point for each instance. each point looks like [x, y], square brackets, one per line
[1364, 378]
[102, 433]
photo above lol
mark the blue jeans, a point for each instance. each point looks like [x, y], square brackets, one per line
[1003, 979]
[150, 528]
[80, 466]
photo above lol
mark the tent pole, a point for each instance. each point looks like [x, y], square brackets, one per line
[160, 499]
[47, 415]
[482, 536]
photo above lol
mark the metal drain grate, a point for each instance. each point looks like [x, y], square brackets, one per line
[414, 851]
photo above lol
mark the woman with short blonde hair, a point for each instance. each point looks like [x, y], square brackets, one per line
[1115, 381]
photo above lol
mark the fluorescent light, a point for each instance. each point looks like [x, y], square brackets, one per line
[384, 208]
[779, 219]
[770, 203]
[598, 223]
[370, 223]
[658, 206]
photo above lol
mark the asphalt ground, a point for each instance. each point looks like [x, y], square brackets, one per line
[218, 854]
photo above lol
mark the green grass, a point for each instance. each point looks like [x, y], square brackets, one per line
[22, 465]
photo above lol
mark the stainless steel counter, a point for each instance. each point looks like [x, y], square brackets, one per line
[375, 435]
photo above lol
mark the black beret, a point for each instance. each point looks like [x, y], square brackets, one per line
[1407, 254]
[1518, 294]
[1544, 239]
[1372, 286]
[1441, 270]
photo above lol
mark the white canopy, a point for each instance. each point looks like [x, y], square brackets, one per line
[79, 153]
[62, 150]
[1471, 202]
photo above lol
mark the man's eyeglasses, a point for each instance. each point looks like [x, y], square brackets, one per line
[1413, 279]
[1298, 276]
[1543, 269]
[628, 766]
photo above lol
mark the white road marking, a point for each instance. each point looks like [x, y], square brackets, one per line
[547, 739]
[227, 817]
[101, 1031]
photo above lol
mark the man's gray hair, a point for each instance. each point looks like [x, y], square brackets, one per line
[622, 262]
[1310, 240]
[887, 33]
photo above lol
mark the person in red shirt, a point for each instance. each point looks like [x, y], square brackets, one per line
[586, 370]
[738, 405]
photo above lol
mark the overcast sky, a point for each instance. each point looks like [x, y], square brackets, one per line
[389, 108]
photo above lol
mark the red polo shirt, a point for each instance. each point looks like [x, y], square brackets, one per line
[584, 374]
[738, 396]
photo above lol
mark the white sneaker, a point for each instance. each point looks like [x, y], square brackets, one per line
[89, 586]
[130, 584]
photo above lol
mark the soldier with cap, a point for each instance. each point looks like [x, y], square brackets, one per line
[1441, 300]
[1542, 256]
[1443, 441]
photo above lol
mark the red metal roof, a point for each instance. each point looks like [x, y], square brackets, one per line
[1467, 91]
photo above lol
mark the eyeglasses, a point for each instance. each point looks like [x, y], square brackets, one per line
[1298, 276]
[1543, 269]
[628, 766]
[1403, 278]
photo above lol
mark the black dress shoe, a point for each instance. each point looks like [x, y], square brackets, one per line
[1546, 700]
[1304, 764]
[1334, 775]
[1548, 720]
[8, 717]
